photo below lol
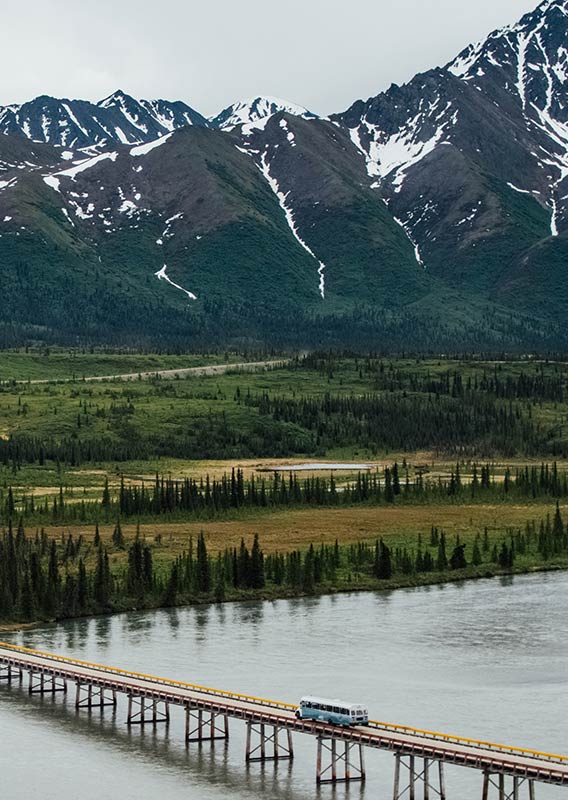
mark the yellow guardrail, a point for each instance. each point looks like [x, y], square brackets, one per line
[387, 726]
[143, 676]
[521, 751]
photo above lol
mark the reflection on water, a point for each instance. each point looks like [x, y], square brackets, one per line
[485, 659]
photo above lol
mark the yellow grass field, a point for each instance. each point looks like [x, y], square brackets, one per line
[286, 530]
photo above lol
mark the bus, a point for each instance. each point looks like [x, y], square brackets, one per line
[334, 712]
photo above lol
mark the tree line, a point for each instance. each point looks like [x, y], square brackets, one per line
[544, 382]
[209, 497]
[43, 577]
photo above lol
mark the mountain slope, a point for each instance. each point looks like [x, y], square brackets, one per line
[175, 230]
[432, 216]
[359, 251]
[473, 157]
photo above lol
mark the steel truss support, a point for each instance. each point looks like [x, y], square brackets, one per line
[508, 788]
[89, 696]
[270, 746]
[339, 753]
[146, 710]
[418, 772]
[205, 726]
[43, 683]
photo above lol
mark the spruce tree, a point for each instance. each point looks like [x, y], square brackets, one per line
[203, 567]
[257, 579]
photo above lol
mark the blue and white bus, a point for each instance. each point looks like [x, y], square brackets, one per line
[335, 712]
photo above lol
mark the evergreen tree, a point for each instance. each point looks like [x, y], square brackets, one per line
[117, 536]
[308, 576]
[442, 560]
[256, 571]
[203, 568]
[476, 558]
[383, 563]
[458, 559]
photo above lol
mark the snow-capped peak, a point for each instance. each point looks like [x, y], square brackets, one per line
[257, 110]
[116, 99]
[80, 125]
[497, 49]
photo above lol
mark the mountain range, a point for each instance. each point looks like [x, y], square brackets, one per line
[432, 216]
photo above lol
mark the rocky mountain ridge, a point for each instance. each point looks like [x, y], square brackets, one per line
[434, 214]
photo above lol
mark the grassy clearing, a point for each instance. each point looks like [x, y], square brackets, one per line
[296, 529]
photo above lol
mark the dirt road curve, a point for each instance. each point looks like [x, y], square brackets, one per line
[213, 369]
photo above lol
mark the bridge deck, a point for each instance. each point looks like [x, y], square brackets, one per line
[486, 756]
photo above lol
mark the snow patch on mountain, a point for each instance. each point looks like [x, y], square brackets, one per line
[7, 184]
[408, 231]
[167, 233]
[144, 149]
[289, 213]
[53, 181]
[393, 155]
[289, 134]
[162, 275]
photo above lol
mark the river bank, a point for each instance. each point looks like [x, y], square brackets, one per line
[357, 584]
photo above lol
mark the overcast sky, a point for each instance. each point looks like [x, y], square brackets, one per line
[323, 54]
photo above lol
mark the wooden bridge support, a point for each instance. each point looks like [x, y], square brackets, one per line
[146, 710]
[89, 696]
[270, 746]
[507, 787]
[419, 773]
[341, 768]
[205, 726]
[44, 683]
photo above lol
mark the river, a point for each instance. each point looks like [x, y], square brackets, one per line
[485, 659]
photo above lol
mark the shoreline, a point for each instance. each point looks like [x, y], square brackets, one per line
[263, 595]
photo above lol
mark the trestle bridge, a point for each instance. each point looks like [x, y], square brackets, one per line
[507, 773]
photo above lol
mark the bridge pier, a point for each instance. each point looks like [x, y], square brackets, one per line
[269, 746]
[417, 776]
[203, 726]
[508, 788]
[143, 710]
[94, 696]
[339, 754]
[44, 683]
[7, 673]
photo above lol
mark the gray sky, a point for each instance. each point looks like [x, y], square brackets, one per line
[323, 54]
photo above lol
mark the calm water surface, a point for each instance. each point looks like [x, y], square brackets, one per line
[485, 659]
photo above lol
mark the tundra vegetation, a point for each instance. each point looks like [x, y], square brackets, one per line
[115, 495]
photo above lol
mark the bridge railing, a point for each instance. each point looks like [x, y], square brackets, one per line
[466, 742]
[244, 698]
